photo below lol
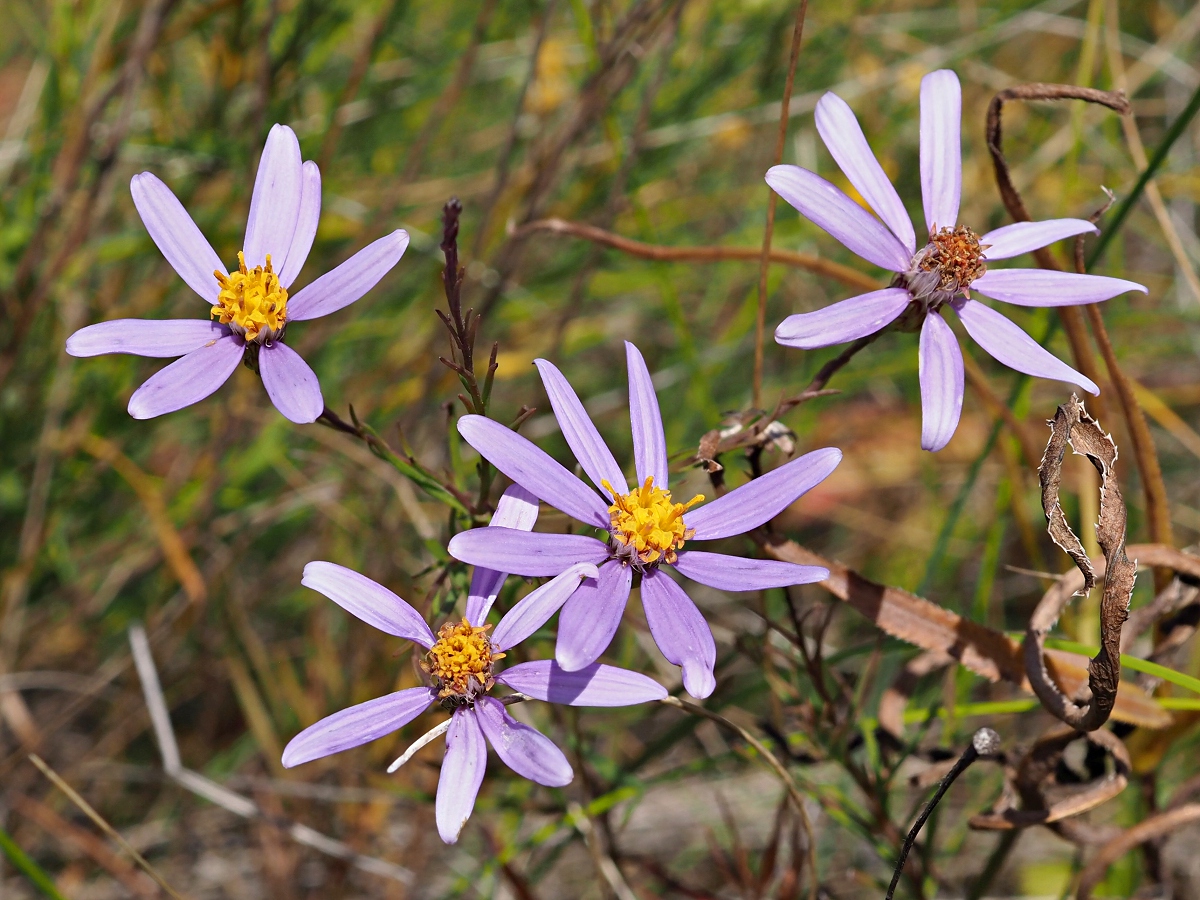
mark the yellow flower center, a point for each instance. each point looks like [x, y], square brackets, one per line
[956, 256]
[460, 662]
[252, 301]
[646, 525]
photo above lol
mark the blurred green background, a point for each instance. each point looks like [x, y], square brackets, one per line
[654, 119]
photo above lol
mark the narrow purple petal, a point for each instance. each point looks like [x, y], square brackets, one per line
[307, 218]
[189, 379]
[1025, 237]
[680, 632]
[1042, 287]
[736, 573]
[176, 235]
[594, 685]
[348, 282]
[847, 320]
[462, 774]
[524, 553]
[522, 748]
[517, 509]
[941, 148]
[1008, 344]
[536, 608]
[157, 338]
[649, 442]
[534, 470]
[590, 618]
[763, 498]
[275, 204]
[357, 725]
[367, 600]
[827, 207]
[941, 373]
[582, 437]
[839, 129]
[291, 384]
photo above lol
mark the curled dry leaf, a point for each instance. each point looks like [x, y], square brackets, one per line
[986, 652]
[1034, 796]
[1089, 707]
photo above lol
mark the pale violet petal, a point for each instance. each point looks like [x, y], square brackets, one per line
[680, 631]
[348, 282]
[580, 433]
[594, 685]
[275, 203]
[521, 747]
[1025, 237]
[357, 725]
[649, 441]
[462, 774]
[736, 573]
[367, 600]
[176, 235]
[941, 148]
[839, 129]
[1043, 287]
[1008, 344]
[847, 320]
[306, 224]
[941, 375]
[534, 609]
[522, 553]
[158, 338]
[589, 619]
[189, 379]
[291, 383]
[517, 509]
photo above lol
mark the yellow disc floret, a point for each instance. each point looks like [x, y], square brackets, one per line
[647, 526]
[460, 662]
[252, 301]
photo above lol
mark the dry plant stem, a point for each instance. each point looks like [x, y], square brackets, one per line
[772, 761]
[1072, 426]
[815, 264]
[772, 199]
[1148, 830]
[984, 743]
[91, 813]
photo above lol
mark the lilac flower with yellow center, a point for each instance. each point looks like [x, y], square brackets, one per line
[645, 531]
[250, 308]
[460, 663]
[953, 263]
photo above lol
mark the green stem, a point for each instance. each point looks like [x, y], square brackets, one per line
[27, 867]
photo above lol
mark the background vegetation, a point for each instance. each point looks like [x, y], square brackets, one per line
[653, 119]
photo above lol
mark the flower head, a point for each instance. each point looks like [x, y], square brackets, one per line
[645, 530]
[460, 661]
[251, 308]
[953, 262]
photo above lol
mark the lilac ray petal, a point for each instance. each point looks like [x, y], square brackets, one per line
[462, 774]
[1042, 287]
[941, 373]
[522, 553]
[521, 747]
[649, 442]
[357, 725]
[582, 437]
[367, 600]
[517, 509]
[941, 148]
[535, 609]
[176, 235]
[763, 498]
[534, 470]
[1025, 237]
[736, 573]
[847, 144]
[348, 282]
[680, 631]
[590, 618]
[307, 218]
[846, 320]
[189, 379]
[275, 204]
[827, 207]
[291, 384]
[594, 685]
[157, 338]
[1008, 344]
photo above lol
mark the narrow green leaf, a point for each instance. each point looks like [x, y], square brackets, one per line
[27, 867]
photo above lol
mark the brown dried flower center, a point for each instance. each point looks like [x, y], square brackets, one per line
[956, 256]
[461, 660]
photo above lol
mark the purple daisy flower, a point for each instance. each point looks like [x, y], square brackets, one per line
[645, 529]
[250, 308]
[460, 663]
[941, 274]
